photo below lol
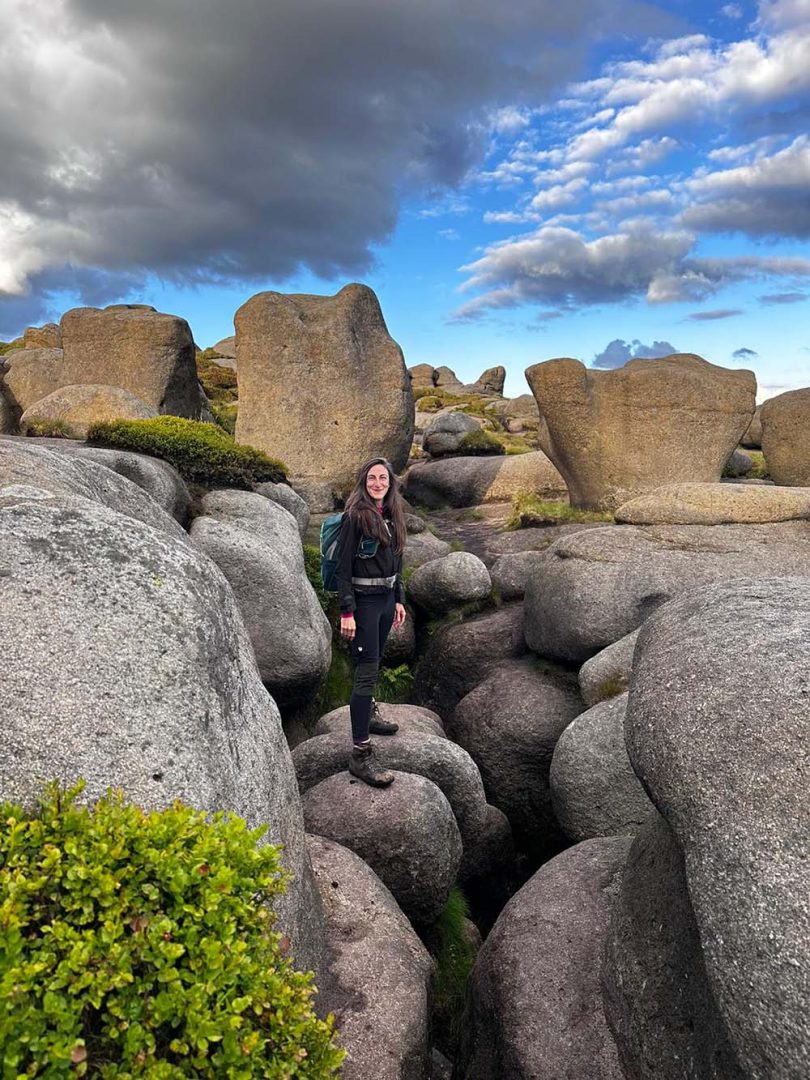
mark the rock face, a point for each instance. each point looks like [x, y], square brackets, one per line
[511, 572]
[442, 584]
[600, 584]
[377, 982]
[594, 790]
[422, 375]
[716, 504]
[32, 374]
[753, 437]
[785, 441]
[469, 481]
[422, 548]
[614, 434]
[732, 782]
[226, 347]
[256, 544]
[534, 1006]
[491, 381]
[444, 433]
[80, 406]
[48, 336]
[608, 673]
[136, 348]
[307, 363]
[284, 495]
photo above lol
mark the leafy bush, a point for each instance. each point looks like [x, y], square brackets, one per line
[38, 427]
[760, 469]
[455, 956]
[480, 442]
[202, 453]
[394, 684]
[530, 510]
[141, 945]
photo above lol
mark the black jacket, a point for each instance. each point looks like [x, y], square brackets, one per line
[385, 563]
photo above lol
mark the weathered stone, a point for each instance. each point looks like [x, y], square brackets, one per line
[614, 434]
[412, 719]
[739, 464]
[400, 645]
[786, 438]
[491, 381]
[444, 377]
[444, 433]
[442, 584]
[31, 375]
[523, 406]
[378, 973]
[136, 348]
[534, 1006]
[510, 724]
[608, 673]
[716, 504]
[422, 548]
[722, 751]
[752, 439]
[48, 336]
[536, 538]
[226, 347]
[81, 406]
[594, 790]
[256, 544]
[599, 585]
[406, 833]
[284, 495]
[468, 481]
[307, 363]
[8, 415]
[510, 573]
[421, 375]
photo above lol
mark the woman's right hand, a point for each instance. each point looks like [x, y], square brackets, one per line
[347, 627]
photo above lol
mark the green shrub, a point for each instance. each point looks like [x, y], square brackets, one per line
[202, 453]
[457, 545]
[39, 427]
[219, 383]
[421, 392]
[394, 684]
[480, 442]
[141, 945]
[225, 415]
[455, 956]
[7, 346]
[760, 469]
[430, 403]
[531, 510]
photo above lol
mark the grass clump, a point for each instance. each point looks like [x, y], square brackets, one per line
[7, 346]
[394, 684]
[39, 427]
[531, 510]
[201, 453]
[430, 403]
[455, 956]
[480, 442]
[141, 945]
[612, 687]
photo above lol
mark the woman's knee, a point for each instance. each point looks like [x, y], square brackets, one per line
[365, 677]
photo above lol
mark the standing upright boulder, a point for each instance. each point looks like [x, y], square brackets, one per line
[786, 437]
[614, 434]
[323, 386]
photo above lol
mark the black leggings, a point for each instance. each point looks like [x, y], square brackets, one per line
[373, 617]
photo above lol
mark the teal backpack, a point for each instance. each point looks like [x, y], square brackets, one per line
[330, 535]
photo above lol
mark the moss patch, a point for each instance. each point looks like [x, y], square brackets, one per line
[531, 510]
[480, 442]
[455, 956]
[37, 427]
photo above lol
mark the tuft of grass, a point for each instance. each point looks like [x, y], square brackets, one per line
[455, 957]
[760, 469]
[225, 415]
[394, 684]
[457, 545]
[480, 442]
[430, 403]
[530, 510]
[611, 688]
[39, 427]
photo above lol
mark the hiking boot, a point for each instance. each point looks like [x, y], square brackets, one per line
[364, 766]
[378, 726]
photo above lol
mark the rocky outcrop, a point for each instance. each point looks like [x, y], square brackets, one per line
[716, 504]
[422, 375]
[48, 336]
[442, 584]
[226, 347]
[470, 481]
[785, 442]
[31, 375]
[444, 433]
[81, 406]
[307, 363]
[614, 434]
[422, 548]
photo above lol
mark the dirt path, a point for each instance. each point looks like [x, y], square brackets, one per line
[476, 527]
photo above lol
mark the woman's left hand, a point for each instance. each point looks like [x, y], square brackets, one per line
[399, 615]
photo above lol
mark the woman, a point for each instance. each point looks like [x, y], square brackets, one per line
[371, 594]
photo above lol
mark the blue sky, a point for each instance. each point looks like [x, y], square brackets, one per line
[602, 180]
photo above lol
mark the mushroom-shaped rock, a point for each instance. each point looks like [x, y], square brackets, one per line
[442, 584]
[594, 790]
[83, 405]
[306, 364]
[378, 980]
[716, 504]
[412, 720]
[284, 495]
[600, 431]
[786, 437]
[407, 834]
[608, 673]
[731, 778]
[470, 481]
[510, 724]
[535, 1005]
[444, 433]
[256, 544]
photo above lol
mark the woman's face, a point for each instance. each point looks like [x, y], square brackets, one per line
[377, 482]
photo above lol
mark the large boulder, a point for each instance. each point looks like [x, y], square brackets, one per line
[534, 1006]
[510, 724]
[256, 544]
[608, 673]
[716, 504]
[127, 664]
[31, 375]
[8, 414]
[598, 585]
[442, 584]
[422, 375]
[81, 406]
[377, 980]
[226, 347]
[468, 481]
[407, 834]
[284, 495]
[327, 367]
[722, 751]
[422, 548]
[48, 336]
[786, 438]
[444, 433]
[535, 538]
[138, 349]
[412, 719]
[614, 434]
[492, 379]
[594, 790]
[510, 573]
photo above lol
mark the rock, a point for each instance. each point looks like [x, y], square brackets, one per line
[440, 1067]
[31, 375]
[442, 584]
[732, 781]
[378, 980]
[412, 720]
[26, 464]
[523, 407]
[470, 481]
[8, 414]
[599, 585]
[785, 442]
[534, 1006]
[488, 860]
[600, 429]
[608, 673]
[510, 573]
[491, 381]
[594, 790]
[135, 348]
[716, 504]
[445, 432]
[406, 833]
[422, 548]
[256, 544]
[510, 724]
[739, 464]
[48, 336]
[414, 525]
[81, 406]
[657, 999]
[226, 347]
[400, 645]
[752, 439]
[422, 375]
[459, 656]
[284, 495]
[306, 364]
[127, 664]
[445, 377]
[535, 538]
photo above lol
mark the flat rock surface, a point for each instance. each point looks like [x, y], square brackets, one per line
[716, 504]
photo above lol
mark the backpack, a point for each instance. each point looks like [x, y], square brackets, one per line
[330, 536]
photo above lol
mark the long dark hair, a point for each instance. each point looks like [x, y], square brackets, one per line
[363, 509]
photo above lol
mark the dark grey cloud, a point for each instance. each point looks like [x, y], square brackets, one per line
[744, 354]
[783, 298]
[719, 313]
[618, 352]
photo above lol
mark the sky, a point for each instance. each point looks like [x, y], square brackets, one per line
[516, 181]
